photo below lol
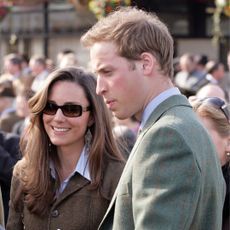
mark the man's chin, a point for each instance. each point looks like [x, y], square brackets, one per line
[119, 115]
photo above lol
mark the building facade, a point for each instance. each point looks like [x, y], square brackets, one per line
[47, 28]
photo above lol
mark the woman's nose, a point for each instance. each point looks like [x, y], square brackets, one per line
[59, 115]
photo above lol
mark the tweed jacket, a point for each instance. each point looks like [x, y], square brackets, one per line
[77, 207]
[172, 179]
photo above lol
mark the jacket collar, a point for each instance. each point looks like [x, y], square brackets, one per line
[176, 100]
[76, 183]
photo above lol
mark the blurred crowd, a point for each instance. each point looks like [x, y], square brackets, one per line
[23, 76]
[199, 75]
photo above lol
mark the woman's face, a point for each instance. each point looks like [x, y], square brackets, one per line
[66, 131]
[220, 142]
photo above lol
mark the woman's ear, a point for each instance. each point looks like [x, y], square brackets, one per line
[91, 121]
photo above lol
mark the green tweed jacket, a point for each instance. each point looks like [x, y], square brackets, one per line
[173, 178]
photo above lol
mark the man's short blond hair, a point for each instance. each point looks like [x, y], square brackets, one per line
[134, 31]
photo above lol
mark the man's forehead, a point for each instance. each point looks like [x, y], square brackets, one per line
[104, 47]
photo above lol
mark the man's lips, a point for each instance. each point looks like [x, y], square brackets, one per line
[110, 103]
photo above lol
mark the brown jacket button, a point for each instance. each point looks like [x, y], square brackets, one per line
[54, 213]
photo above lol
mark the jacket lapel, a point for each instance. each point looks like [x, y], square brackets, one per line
[72, 187]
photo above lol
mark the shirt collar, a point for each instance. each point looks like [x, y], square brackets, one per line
[155, 102]
[211, 79]
[82, 166]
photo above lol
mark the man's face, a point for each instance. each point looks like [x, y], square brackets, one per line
[119, 80]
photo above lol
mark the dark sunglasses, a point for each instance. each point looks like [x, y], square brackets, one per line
[218, 104]
[69, 110]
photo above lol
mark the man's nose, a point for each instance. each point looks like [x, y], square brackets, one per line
[101, 86]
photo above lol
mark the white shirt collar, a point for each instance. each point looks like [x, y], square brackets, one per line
[82, 166]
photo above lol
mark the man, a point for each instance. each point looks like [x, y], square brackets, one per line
[189, 78]
[215, 75]
[172, 179]
[12, 67]
[215, 71]
[211, 90]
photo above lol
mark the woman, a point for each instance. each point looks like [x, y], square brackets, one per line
[71, 164]
[215, 115]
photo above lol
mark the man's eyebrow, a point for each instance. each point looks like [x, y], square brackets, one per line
[102, 69]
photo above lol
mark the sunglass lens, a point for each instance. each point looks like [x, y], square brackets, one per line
[50, 109]
[217, 102]
[72, 110]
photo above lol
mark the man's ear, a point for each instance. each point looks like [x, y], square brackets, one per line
[227, 147]
[148, 63]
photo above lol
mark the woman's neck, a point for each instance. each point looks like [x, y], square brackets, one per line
[68, 159]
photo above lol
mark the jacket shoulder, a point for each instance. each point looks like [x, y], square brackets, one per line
[111, 176]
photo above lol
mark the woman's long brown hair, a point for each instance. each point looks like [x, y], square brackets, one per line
[34, 169]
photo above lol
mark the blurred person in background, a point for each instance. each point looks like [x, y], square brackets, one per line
[225, 82]
[215, 115]
[9, 155]
[201, 61]
[69, 59]
[50, 65]
[211, 90]
[215, 74]
[188, 78]
[39, 72]
[61, 54]
[71, 163]
[8, 115]
[176, 67]
[125, 138]
[22, 110]
[25, 64]
[12, 67]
